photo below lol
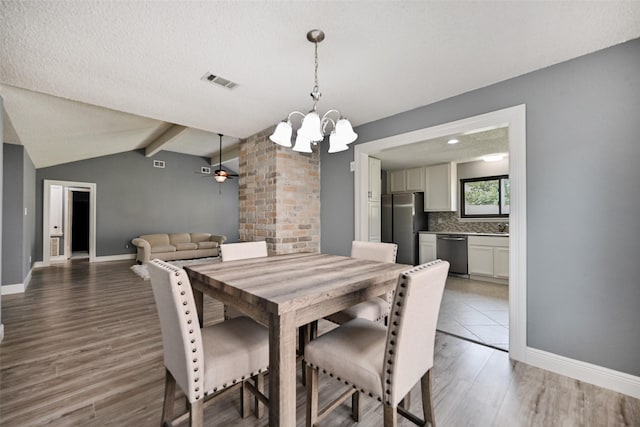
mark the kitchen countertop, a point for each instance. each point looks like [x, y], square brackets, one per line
[466, 233]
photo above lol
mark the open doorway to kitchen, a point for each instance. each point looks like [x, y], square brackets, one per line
[68, 221]
[513, 120]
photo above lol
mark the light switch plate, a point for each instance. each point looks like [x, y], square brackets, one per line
[352, 166]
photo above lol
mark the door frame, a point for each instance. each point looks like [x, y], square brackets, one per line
[515, 119]
[46, 201]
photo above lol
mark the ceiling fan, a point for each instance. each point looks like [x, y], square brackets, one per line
[221, 175]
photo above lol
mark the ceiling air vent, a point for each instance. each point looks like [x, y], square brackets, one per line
[220, 81]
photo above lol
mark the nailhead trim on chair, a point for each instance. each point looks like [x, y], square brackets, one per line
[363, 391]
[394, 322]
[179, 272]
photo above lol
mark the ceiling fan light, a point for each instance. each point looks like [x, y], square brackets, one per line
[345, 131]
[282, 134]
[220, 178]
[303, 145]
[310, 128]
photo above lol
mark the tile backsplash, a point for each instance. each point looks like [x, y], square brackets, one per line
[448, 221]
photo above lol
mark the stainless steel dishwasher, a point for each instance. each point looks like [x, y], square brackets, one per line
[453, 248]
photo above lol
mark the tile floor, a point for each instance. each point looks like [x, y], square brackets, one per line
[475, 310]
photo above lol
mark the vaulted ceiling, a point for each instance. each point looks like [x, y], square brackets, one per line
[82, 79]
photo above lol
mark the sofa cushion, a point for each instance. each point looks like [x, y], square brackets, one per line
[200, 237]
[207, 245]
[175, 238]
[156, 239]
[163, 248]
[186, 246]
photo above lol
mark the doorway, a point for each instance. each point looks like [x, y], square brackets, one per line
[514, 118]
[68, 221]
[77, 220]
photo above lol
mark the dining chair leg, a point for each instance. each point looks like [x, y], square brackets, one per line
[196, 413]
[355, 406]
[312, 395]
[390, 416]
[245, 399]
[306, 333]
[427, 398]
[169, 399]
[259, 383]
[406, 402]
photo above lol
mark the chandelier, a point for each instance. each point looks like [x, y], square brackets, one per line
[314, 128]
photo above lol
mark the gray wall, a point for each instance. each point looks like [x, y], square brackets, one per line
[18, 239]
[12, 218]
[28, 218]
[583, 235]
[134, 198]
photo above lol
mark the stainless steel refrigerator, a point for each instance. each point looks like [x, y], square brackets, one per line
[402, 216]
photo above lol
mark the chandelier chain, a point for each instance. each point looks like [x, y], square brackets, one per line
[315, 94]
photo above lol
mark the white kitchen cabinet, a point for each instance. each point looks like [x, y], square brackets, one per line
[397, 181]
[427, 247]
[489, 258]
[414, 179]
[407, 180]
[501, 263]
[440, 188]
[374, 221]
[375, 180]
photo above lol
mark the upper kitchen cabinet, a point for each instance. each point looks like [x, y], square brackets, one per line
[407, 180]
[415, 179]
[375, 180]
[397, 181]
[440, 188]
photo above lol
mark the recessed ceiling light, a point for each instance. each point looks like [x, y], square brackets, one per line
[452, 141]
[493, 157]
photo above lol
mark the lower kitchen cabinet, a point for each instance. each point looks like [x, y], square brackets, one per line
[427, 247]
[489, 258]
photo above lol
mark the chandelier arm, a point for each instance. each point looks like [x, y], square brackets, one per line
[325, 121]
[293, 113]
[325, 115]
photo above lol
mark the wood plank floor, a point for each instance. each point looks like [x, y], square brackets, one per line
[82, 347]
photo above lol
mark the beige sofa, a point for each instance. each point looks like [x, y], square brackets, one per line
[175, 246]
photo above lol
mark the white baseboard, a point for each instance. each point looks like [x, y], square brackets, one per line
[16, 288]
[115, 257]
[40, 264]
[583, 371]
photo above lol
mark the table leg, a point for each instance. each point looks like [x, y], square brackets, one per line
[198, 298]
[282, 370]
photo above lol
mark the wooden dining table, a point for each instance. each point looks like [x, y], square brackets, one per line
[285, 292]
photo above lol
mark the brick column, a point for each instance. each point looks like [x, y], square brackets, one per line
[279, 195]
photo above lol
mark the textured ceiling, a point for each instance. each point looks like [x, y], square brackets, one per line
[87, 78]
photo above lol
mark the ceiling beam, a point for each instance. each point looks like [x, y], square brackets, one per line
[157, 144]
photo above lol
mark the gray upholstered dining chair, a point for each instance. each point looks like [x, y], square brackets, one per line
[376, 308]
[206, 361]
[384, 363]
[238, 251]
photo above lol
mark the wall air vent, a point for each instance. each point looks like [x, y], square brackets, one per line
[220, 81]
[158, 163]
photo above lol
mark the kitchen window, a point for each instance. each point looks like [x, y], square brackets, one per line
[486, 197]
